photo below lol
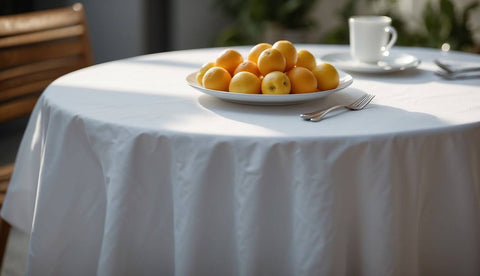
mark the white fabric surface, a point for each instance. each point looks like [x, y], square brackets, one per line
[126, 170]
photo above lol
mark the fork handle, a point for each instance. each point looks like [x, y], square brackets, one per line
[458, 70]
[320, 115]
[465, 70]
[308, 116]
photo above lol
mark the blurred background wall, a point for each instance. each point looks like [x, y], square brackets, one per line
[125, 28]
[122, 28]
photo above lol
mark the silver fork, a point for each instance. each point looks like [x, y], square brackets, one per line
[451, 70]
[456, 76]
[318, 115]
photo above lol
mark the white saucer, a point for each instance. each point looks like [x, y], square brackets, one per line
[391, 63]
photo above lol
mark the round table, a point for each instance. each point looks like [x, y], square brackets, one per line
[126, 170]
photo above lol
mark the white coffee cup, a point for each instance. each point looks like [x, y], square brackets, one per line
[369, 37]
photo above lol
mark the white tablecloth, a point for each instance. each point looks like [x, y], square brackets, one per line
[126, 170]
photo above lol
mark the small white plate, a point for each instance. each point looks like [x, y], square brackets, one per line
[261, 99]
[391, 63]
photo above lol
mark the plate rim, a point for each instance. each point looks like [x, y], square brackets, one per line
[345, 81]
[378, 69]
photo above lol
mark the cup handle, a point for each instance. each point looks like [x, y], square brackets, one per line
[393, 39]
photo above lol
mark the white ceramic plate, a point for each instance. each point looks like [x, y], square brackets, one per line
[391, 63]
[261, 99]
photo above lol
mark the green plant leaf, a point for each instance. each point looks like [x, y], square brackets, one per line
[447, 10]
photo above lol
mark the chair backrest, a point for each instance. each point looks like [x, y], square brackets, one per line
[35, 49]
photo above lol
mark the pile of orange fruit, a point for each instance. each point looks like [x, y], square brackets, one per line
[268, 69]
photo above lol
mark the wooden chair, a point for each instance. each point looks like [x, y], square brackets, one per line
[35, 49]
